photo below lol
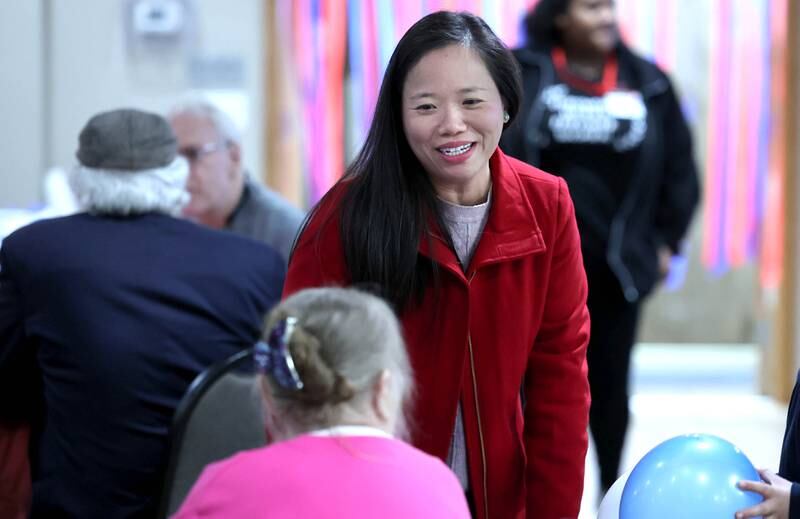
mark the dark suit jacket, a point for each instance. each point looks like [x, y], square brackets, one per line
[112, 318]
[790, 453]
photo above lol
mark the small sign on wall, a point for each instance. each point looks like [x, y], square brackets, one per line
[158, 18]
[156, 27]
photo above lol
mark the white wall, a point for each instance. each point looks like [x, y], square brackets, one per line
[21, 102]
[86, 63]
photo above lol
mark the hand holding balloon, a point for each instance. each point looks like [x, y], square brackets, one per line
[776, 491]
[689, 477]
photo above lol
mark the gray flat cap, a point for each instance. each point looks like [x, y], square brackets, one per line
[127, 139]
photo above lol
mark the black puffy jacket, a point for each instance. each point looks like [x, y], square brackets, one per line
[663, 193]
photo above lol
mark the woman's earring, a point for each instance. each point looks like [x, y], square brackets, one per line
[506, 117]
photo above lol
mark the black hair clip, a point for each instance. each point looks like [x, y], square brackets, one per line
[274, 358]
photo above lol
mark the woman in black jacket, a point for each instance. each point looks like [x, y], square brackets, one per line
[609, 123]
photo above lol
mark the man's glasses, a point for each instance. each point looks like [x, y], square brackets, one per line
[195, 153]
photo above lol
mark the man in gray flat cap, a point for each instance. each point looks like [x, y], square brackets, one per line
[106, 317]
[223, 195]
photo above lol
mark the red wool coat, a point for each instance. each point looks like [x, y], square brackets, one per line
[516, 318]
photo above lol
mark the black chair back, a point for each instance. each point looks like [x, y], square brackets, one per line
[220, 414]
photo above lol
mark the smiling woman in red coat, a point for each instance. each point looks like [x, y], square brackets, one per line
[480, 256]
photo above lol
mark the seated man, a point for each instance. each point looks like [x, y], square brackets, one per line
[106, 317]
[223, 195]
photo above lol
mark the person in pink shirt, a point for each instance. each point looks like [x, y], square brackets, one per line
[336, 380]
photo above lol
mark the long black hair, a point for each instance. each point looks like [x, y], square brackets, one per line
[389, 198]
[540, 23]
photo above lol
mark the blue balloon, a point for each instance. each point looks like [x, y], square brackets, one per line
[692, 476]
